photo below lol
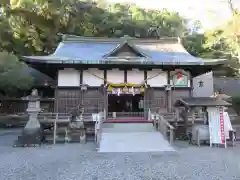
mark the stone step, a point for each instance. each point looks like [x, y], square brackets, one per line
[127, 127]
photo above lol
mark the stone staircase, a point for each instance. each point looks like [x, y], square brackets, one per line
[132, 137]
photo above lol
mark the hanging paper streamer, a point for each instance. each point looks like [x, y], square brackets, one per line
[118, 92]
[125, 89]
[133, 91]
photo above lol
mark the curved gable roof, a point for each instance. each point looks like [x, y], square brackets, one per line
[96, 50]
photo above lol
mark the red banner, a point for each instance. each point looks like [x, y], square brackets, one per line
[222, 126]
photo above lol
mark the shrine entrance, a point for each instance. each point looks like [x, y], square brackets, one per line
[125, 102]
[125, 105]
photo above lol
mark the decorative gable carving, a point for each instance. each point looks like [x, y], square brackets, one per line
[125, 49]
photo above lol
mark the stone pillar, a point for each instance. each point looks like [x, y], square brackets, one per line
[82, 137]
[31, 134]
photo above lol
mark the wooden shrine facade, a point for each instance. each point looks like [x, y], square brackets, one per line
[88, 70]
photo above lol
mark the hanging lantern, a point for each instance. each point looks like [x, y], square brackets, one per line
[118, 91]
[46, 83]
[125, 89]
[83, 87]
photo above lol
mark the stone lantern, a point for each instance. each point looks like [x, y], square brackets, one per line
[31, 134]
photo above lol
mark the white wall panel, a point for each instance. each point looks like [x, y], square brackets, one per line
[135, 76]
[69, 77]
[206, 90]
[93, 77]
[115, 76]
[159, 78]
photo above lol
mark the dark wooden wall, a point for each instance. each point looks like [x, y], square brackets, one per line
[96, 99]
[69, 98]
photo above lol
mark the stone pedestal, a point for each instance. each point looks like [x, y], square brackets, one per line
[77, 129]
[31, 134]
[82, 137]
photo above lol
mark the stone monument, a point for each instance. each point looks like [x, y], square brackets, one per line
[31, 134]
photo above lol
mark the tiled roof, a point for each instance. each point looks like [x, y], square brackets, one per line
[83, 51]
[38, 77]
[95, 50]
[201, 101]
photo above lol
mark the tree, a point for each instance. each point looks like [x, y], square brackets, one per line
[12, 77]
[37, 23]
[224, 41]
[31, 27]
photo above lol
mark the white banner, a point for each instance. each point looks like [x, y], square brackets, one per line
[216, 125]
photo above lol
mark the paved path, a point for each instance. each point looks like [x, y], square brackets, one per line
[82, 162]
[134, 142]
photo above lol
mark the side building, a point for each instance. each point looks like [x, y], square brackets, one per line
[125, 75]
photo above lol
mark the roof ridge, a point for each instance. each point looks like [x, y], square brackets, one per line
[69, 37]
[128, 43]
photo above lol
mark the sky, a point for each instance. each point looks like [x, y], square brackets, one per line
[211, 13]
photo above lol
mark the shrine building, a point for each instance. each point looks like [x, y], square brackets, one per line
[127, 76]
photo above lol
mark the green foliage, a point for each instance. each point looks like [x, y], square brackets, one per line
[12, 77]
[36, 24]
[225, 40]
[235, 100]
[30, 27]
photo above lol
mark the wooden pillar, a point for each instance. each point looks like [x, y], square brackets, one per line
[193, 115]
[169, 93]
[177, 114]
[146, 102]
[169, 99]
[187, 112]
[56, 98]
[105, 94]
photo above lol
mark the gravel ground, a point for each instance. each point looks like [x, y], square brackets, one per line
[82, 162]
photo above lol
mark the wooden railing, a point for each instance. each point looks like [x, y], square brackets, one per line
[48, 120]
[164, 127]
[58, 123]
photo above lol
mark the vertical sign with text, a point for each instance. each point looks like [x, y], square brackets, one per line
[222, 125]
